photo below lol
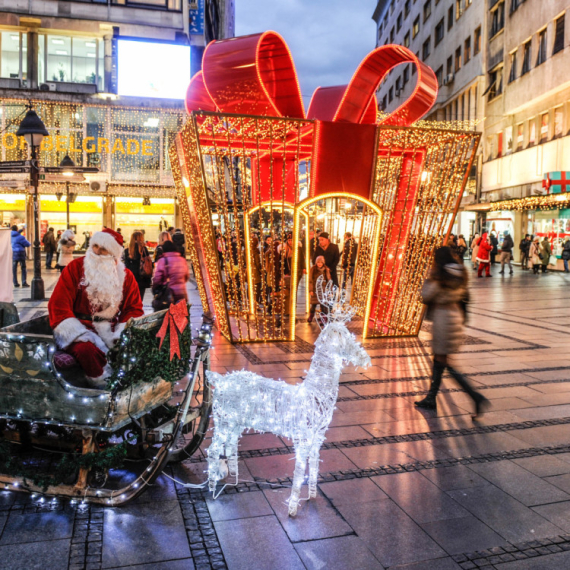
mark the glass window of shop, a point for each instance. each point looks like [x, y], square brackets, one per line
[552, 223]
[499, 222]
[86, 214]
[12, 209]
[76, 60]
[13, 55]
[132, 215]
[65, 126]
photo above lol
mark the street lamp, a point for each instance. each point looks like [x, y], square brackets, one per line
[68, 165]
[34, 131]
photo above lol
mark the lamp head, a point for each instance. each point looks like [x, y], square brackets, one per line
[68, 164]
[32, 129]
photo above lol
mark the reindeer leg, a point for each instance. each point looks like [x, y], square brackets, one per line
[298, 477]
[232, 454]
[314, 469]
[214, 452]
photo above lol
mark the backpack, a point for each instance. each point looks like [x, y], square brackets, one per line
[163, 295]
[146, 265]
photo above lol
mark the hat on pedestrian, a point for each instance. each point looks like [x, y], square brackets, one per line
[324, 235]
[111, 240]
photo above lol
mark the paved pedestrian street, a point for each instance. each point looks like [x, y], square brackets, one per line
[398, 487]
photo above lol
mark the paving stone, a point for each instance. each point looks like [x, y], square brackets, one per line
[137, 534]
[20, 528]
[550, 562]
[228, 507]
[456, 477]
[337, 554]
[315, 518]
[245, 544]
[557, 513]
[42, 555]
[544, 466]
[352, 491]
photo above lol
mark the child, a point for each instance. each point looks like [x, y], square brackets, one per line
[315, 272]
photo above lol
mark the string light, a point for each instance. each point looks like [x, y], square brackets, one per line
[548, 202]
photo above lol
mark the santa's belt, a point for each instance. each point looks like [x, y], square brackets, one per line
[92, 318]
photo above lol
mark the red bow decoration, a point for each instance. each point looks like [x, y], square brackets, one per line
[255, 75]
[175, 321]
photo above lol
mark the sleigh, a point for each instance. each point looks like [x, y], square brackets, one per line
[61, 438]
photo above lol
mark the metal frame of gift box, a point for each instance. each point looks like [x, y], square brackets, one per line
[244, 145]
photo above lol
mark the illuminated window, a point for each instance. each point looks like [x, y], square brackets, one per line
[544, 124]
[532, 132]
[520, 136]
[407, 40]
[13, 55]
[558, 122]
[416, 27]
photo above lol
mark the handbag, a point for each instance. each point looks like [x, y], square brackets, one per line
[163, 294]
[553, 259]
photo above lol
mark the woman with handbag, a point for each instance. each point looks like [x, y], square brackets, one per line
[534, 254]
[138, 260]
[170, 278]
[446, 295]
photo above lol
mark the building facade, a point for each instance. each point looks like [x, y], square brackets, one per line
[527, 128]
[448, 36]
[67, 57]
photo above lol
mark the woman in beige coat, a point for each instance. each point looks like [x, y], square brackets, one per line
[474, 250]
[65, 249]
[445, 293]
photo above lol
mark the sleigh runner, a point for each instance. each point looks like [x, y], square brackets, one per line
[154, 411]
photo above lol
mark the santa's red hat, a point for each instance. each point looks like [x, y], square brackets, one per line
[111, 240]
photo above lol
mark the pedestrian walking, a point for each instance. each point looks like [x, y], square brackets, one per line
[446, 295]
[65, 249]
[170, 278]
[318, 270]
[331, 254]
[19, 245]
[495, 243]
[524, 247]
[159, 251]
[483, 256]
[474, 248]
[179, 240]
[507, 252]
[566, 255]
[535, 254]
[138, 260]
[545, 255]
[50, 247]
[452, 244]
[461, 247]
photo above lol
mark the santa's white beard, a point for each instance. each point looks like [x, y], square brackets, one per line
[103, 279]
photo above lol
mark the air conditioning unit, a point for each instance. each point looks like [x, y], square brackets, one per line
[449, 78]
[97, 186]
[48, 87]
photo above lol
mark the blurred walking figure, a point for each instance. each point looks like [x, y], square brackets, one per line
[19, 245]
[139, 262]
[446, 295]
[314, 273]
[461, 247]
[474, 249]
[65, 249]
[495, 243]
[50, 247]
[524, 246]
[546, 253]
[566, 255]
[483, 255]
[170, 278]
[534, 255]
[159, 251]
[507, 252]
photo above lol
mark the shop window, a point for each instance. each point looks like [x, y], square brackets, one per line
[13, 55]
[426, 49]
[450, 18]
[467, 50]
[532, 132]
[520, 137]
[407, 40]
[497, 19]
[457, 59]
[541, 55]
[513, 72]
[558, 122]
[526, 57]
[416, 27]
[427, 10]
[439, 30]
[544, 122]
[477, 41]
[559, 35]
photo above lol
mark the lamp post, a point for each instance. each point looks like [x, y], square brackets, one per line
[68, 165]
[33, 130]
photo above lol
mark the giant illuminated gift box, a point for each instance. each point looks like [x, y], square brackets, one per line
[249, 161]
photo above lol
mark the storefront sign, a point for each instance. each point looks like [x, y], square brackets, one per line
[69, 144]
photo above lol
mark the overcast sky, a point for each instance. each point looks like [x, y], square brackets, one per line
[328, 38]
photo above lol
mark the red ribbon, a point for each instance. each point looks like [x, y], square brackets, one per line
[175, 321]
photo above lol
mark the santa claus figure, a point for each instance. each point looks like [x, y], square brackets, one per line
[91, 304]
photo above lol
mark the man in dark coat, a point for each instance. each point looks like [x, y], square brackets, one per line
[507, 252]
[179, 241]
[50, 247]
[495, 243]
[331, 254]
[524, 246]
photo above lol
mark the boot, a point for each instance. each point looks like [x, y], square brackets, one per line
[481, 405]
[429, 402]
[311, 317]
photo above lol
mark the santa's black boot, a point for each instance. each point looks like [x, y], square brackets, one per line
[429, 402]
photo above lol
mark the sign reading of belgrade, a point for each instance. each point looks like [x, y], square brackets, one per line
[63, 143]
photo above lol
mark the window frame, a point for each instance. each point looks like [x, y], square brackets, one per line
[416, 27]
[438, 37]
[541, 54]
[513, 69]
[426, 46]
[427, 10]
[467, 50]
[477, 35]
[559, 38]
[526, 58]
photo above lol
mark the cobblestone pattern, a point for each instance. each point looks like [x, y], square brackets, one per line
[202, 538]
[512, 552]
[404, 438]
[300, 346]
[87, 540]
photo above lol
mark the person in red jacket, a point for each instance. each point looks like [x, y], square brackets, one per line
[484, 256]
[91, 304]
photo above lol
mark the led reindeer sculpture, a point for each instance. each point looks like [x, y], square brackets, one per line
[243, 400]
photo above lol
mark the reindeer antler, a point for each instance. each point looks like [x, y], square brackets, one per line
[335, 300]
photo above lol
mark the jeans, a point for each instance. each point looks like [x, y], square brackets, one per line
[22, 263]
[49, 258]
[565, 265]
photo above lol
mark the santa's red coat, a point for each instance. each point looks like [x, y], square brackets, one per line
[69, 300]
[484, 251]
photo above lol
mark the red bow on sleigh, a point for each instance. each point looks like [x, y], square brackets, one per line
[255, 75]
[175, 321]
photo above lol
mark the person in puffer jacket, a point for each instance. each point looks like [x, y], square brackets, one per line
[19, 245]
[174, 268]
